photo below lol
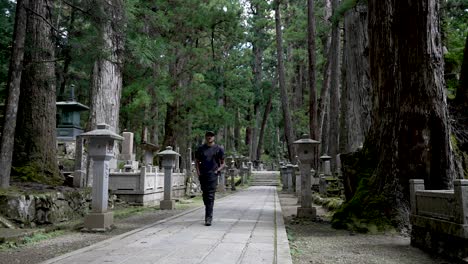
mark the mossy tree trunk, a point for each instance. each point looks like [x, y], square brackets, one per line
[35, 138]
[409, 135]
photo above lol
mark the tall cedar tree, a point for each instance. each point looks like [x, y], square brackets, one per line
[288, 128]
[35, 138]
[106, 83]
[409, 135]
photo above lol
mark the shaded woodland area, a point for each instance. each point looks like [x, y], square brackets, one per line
[381, 84]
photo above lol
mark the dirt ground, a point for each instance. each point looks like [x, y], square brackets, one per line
[315, 242]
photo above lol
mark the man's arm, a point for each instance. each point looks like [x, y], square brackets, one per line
[221, 165]
[221, 160]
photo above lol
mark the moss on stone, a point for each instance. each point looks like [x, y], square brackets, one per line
[34, 172]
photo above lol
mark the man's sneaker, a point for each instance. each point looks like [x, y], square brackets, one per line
[208, 221]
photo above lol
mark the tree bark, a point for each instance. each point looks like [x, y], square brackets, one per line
[266, 113]
[324, 91]
[35, 138]
[335, 50]
[106, 86]
[14, 81]
[288, 129]
[313, 125]
[409, 135]
[356, 91]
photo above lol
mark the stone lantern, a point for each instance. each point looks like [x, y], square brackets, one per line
[306, 151]
[101, 151]
[284, 177]
[68, 118]
[168, 163]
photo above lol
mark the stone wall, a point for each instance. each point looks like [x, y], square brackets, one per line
[47, 207]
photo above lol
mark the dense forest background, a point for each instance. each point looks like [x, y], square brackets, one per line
[259, 73]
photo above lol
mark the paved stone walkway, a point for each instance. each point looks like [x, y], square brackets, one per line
[247, 228]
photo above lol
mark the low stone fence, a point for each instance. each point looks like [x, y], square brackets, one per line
[439, 219]
[144, 187]
[45, 206]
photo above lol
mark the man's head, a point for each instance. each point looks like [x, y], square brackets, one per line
[209, 137]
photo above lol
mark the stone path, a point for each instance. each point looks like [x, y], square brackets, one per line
[247, 228]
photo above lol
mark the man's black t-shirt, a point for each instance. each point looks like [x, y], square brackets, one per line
[209, 158]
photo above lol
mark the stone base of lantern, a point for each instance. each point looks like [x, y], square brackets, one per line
[306, 212]
[167, 205]
[98, 222]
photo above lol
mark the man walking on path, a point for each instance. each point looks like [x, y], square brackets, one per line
[209, 162]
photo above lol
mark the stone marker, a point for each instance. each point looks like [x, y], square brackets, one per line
[101, 151]
[289, 173]
[306, 149]
[168, 162]
[326, 164]
[127, 147]
[284, 177]
[232, 171]
[222, 181]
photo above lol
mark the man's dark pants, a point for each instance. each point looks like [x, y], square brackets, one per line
[208, 183]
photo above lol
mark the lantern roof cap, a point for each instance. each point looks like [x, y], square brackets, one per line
[305, 139]
[103, 130]
[168, 151]
[72, 105]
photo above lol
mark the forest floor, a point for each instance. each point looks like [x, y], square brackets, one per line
[311, 242]
[315, 242]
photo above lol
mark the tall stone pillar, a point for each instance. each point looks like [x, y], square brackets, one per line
[168, 162]
[101, 151]
[306, 148]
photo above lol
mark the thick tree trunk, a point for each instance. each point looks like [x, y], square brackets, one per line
[288, 129]
[14, 81]
[462, 90]
[63, 75]
[35, 138]
[106, 86]
[409, 135]
[356, 91]
[257, 68]
[324, 92]
[154, 109]
[313, 124]
[335, 50]
[266, 114]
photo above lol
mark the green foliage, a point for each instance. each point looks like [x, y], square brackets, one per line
[7, 15]
[454, 33]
